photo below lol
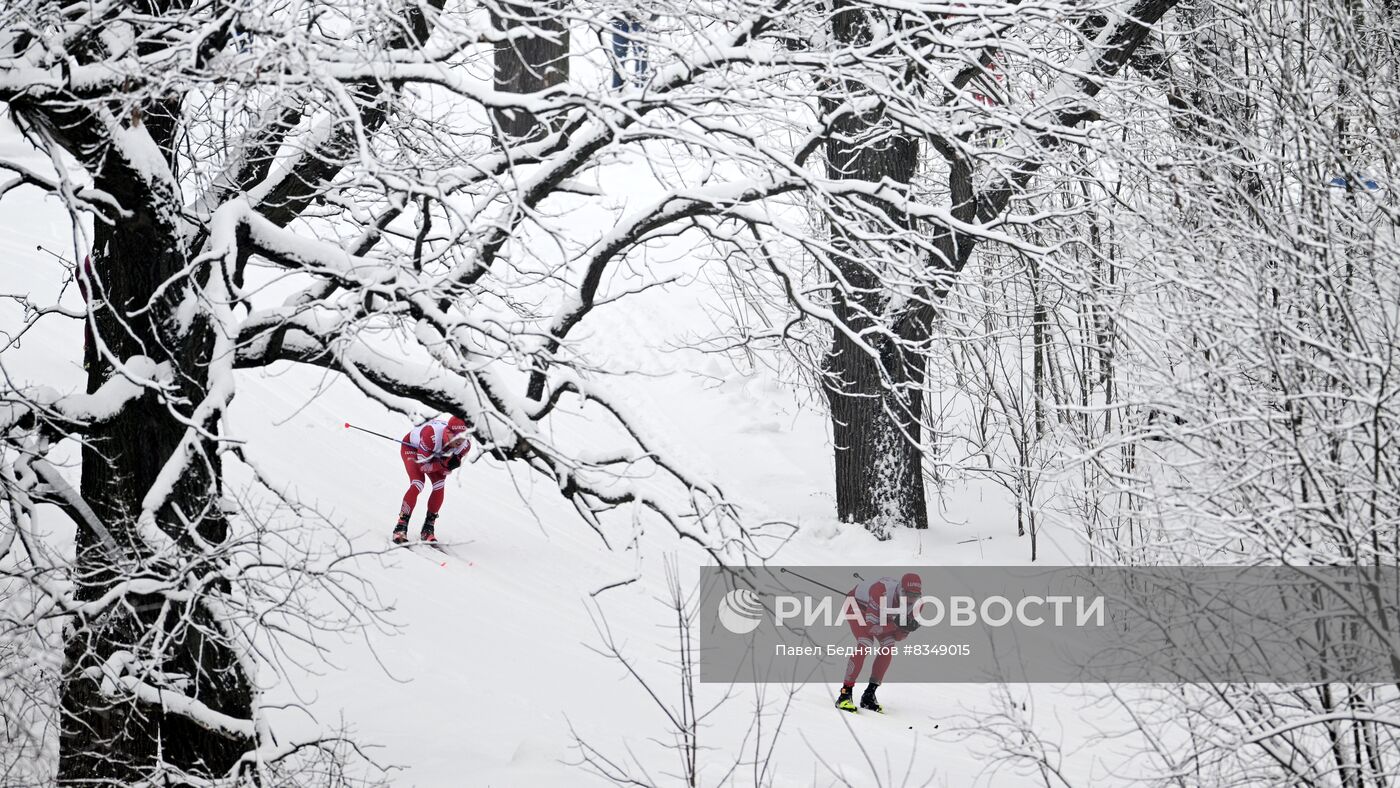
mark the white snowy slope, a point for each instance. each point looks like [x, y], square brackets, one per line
[485, 666]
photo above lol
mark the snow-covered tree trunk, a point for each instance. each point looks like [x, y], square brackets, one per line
[157, 684]
[152, 486]
[894, 256]
[134, 262]
[876, 403]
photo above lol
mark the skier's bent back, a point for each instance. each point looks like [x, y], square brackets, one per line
[875, 632]
[430, 452]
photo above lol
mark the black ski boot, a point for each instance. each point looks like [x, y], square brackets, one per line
[867, 699]
[845, 702]
[401, 530]
[428, 534]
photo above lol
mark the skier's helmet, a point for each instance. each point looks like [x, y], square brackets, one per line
[911, 585]
[455, 434]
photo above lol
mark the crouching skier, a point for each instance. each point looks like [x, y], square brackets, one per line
[875, 598]
[430, 452]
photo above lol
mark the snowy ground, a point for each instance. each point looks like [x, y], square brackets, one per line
[451, 692]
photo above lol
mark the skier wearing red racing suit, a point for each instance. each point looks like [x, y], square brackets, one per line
[875, 632]
[430, 451]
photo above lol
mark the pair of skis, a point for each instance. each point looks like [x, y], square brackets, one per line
[440, 547]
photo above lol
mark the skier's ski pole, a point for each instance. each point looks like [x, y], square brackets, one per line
[350, 426]
[810, 580]
[52, 254]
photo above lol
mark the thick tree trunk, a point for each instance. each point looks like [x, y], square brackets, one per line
[102, 741]
[531, 63]
[876, 407]
[879, 466]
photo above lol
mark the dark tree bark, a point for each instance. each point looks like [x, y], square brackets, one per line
[116, 743]
[876, 406]
[532, 62]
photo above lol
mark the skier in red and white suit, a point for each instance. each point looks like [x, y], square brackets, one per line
[874, 631]
[430, 451]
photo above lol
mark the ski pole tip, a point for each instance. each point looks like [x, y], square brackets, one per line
[347, 425]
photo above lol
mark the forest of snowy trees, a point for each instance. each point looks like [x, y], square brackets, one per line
[1132, 262]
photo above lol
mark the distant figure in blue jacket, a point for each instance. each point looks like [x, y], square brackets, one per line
[629, 51]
